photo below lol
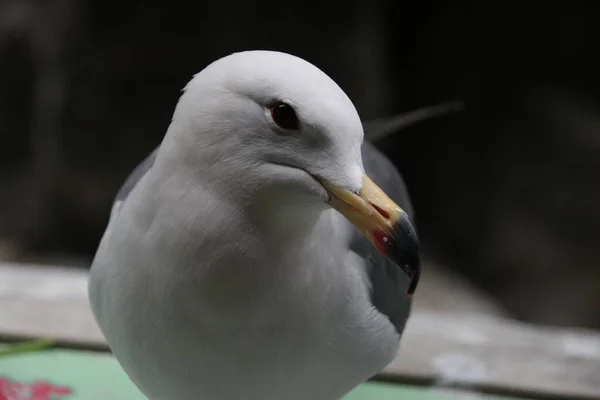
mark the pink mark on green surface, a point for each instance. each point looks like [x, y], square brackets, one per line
[38, 390]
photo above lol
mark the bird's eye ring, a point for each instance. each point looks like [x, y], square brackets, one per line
[284, 116]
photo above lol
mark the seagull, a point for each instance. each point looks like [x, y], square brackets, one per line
[255, 253]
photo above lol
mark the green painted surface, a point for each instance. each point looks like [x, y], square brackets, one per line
[97, 376]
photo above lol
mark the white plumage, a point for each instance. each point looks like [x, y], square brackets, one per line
[224, 274]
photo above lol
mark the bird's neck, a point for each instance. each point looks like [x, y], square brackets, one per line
[259, 241]
[228, 246]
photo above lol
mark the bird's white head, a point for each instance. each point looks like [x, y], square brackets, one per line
[269, 123]
[269, 130]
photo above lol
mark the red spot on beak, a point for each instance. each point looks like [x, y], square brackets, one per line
[381, 240]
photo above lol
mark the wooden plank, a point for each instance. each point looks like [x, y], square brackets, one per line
[465, 350]
[47, 302]
[500, 355]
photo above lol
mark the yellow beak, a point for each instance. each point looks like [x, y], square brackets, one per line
[383, 222]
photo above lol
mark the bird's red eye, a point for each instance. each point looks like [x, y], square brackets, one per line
[284, 116]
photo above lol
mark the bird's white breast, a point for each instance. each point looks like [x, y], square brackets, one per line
[300, 327]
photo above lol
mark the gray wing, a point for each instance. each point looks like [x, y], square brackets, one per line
[135, 176]
[132, 180]
[388, 282]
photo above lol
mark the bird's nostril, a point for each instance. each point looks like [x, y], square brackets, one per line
[381, 211]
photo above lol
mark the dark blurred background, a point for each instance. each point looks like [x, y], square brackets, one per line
[507, 192]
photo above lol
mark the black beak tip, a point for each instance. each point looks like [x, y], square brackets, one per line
[404, 251]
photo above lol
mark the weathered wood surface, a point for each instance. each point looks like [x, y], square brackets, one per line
[466, 350]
